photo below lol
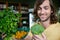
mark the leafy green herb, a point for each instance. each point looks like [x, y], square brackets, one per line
[8, 21]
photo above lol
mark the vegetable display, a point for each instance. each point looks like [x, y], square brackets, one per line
[9, 22]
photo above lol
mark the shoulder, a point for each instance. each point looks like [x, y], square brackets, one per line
[53, 31]
[57, 25]
[53, 28]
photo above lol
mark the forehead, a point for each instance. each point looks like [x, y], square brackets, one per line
[45, 3]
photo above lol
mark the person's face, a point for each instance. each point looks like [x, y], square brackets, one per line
[44, 11]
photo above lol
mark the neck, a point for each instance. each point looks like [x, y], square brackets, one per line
[46, 23]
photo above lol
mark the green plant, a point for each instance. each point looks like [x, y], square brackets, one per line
[8, 21]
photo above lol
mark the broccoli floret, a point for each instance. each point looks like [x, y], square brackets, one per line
[37, 29]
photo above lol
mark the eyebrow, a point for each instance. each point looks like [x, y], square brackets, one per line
[44, 6]
[39, 7]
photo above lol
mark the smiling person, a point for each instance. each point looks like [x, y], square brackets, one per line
[44, 11]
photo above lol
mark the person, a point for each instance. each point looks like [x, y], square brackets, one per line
[44, 11]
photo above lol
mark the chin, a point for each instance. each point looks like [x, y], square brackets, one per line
[43, 20]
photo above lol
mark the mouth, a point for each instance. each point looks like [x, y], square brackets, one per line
[42, 16]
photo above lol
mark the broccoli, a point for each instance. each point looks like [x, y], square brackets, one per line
[37, 29]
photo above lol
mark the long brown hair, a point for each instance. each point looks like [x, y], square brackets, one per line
[53, 18]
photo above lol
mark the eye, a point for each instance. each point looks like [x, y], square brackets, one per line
[46, 7]
[39, 8]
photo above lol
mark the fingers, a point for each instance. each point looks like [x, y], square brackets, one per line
[28, 38]
[36, 37]
[43, 35]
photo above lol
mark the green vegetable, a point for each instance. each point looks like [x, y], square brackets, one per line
[8, 21]
[8, 38]
[37, 29]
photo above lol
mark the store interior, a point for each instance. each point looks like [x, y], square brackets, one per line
[25, 8]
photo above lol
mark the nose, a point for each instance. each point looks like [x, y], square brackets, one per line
[42, 11]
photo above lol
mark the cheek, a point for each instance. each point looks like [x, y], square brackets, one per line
[49, 12]
[38, 12]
